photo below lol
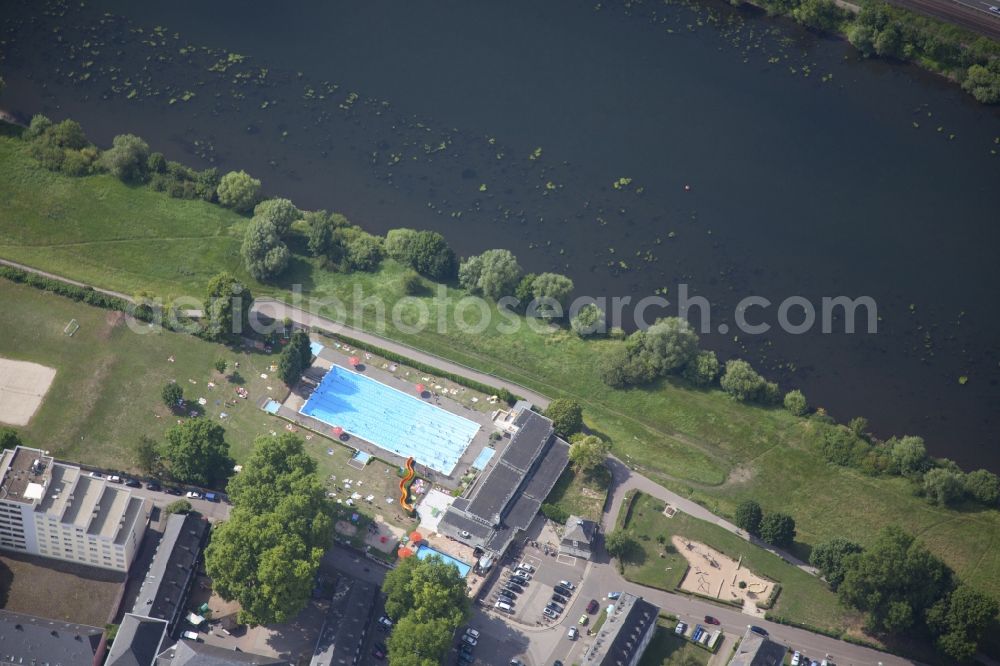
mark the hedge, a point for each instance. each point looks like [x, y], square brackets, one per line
[501, 393]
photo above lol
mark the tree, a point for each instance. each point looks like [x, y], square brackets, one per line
[39, 125]
[9, 439]
[550, 290]
[669, 344]
[267, 554]
[426, 252]
[227, 306]
[778, 529]
[820, 15]
[320, 233]
[742, 382]
[362, 251]
[587, 453]
[198, 453]
[859, 426]
[960, 620]
[419, 643]
[588, 321]
[127, 158]
[895, 580]
[832, 558]
[412, 283]
[494, 274]
[566, 415]
[178, 506]
[220, 365]
[983, 486]
[983, 83]
[618, 543]
[795, 402]
[943, 487]
[279, 212]
[909, 455]
[702, 369]
[295, 358]
[239, 191]
[749, 516]
[147, 457]
[264, 254]
[172, 395]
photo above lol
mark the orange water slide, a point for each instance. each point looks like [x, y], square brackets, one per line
[403, 492]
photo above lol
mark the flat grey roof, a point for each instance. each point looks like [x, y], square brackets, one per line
[346, 622]
[25, 639]
[60, 488]
[17, 471]
[172, 566]
[617, 640]
[534, 431]
[757, 650]
[543, 478]
[494, 493]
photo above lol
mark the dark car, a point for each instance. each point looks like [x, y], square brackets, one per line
[592, 606]
[132, 483]
[559, 589]
[514, 587]
[378, 654]
[711, 620]
[757, 630]
[170, 490]
[154, 486]
[507, 594]
[519, 580]
[558, 598]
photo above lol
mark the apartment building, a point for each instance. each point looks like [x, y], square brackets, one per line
[57, 510]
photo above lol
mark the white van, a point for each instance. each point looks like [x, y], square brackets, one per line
[190, 635]
[504, 606]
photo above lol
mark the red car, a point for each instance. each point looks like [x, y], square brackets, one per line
[592, 606]
[710, 620]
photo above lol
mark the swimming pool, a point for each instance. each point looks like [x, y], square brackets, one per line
[423, 552]
[390, 419]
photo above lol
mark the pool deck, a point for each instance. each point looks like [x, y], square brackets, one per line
[328, 357]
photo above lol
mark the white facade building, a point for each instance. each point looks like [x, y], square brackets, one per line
[56, 510]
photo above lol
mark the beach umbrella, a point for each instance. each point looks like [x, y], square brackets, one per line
[338, 431]
[421, 388]
[355, 360]
[404, 552]
[415, 537]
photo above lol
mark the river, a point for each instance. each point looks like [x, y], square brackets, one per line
[758, 158]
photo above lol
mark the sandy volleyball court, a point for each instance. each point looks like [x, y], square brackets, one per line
[23, 386]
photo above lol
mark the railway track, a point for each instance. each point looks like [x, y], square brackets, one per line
[965, 15]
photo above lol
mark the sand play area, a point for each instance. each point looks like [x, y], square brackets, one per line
[715, 575]
[22, 388]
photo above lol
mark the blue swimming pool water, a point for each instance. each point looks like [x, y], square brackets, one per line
[395, 421]
[483, 458]
[423, 552]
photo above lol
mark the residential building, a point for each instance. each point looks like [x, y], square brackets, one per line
[578, 538]
[757, 650]
[625, 634]
[346, 622]
[25, 639]
[192, 653]
[56, 510]
[138, 641]
[172, 570]
[506, 499]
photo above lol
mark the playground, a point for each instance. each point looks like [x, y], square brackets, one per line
[712, 574]
[22, 388]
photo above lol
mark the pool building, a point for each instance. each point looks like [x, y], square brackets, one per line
[391, 419]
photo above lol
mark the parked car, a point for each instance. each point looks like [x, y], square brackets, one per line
[385, 622]
[583, 621]
[757, 630]
[573, 633]
[680, 628]
[192, 495]
[190, 635]
[378, 654]
[507, 594]
[212, 497]
[132, 483]
[114, 478]
[711, 620]
[465, 658]
[614, 595]
[558, 598]
[555, 607]
[796, 658]
[558, 589]
[548, 612]
[526, 567]
[466, 649]
[513, 587]
[170, 490]
[154, 486]
[568, 585]
[97, 475]
[592, 606]
[994, 10]
[472, 632]
[520, 580]
[470, 640]
[504, 606]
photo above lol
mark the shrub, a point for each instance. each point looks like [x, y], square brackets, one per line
[127, 158]
[566, 415]
[702, 369]
[178, 506]
[412, 283]
[588, 321]
[742, 382]
[279, 212]
[555, 513]
[796, 403]
[239, 191]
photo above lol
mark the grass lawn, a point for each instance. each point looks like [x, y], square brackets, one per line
[697, 442]
[803, 596]
[582, 494]
[667, 649]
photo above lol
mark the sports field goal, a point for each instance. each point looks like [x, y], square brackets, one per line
[71, 328]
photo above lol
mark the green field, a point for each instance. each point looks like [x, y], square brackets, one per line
[582, 494]
[652, 563]
[697, 442]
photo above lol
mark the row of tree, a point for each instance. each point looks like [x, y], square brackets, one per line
[775, 527]
[428, 600]
[905, 591]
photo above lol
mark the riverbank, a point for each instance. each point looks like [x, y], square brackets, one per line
[697, 442]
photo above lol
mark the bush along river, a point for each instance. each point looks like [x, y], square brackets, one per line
[631, 150]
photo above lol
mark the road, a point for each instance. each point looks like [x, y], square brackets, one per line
[971, 14]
